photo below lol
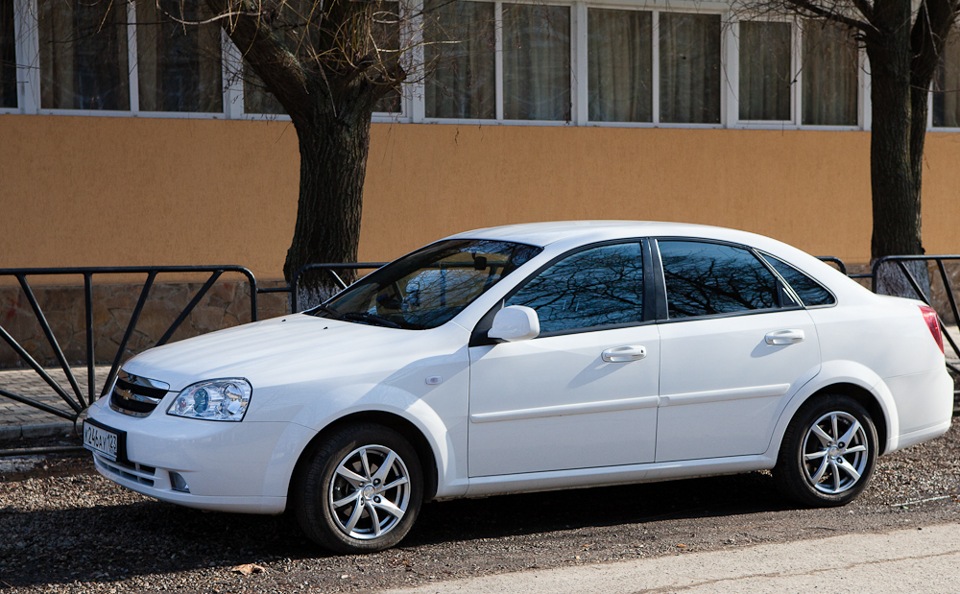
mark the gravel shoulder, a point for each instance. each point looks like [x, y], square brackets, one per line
[66, 529]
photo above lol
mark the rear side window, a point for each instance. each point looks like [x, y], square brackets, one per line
[601, 286]
[704, 279]
[810, 291]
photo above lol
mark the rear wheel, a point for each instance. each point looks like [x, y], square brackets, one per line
[360, 490]
[828, 452]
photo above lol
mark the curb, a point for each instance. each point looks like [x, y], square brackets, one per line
[16, 432]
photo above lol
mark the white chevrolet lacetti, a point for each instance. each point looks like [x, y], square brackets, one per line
[526, 358]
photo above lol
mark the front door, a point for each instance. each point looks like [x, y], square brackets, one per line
[582, 394]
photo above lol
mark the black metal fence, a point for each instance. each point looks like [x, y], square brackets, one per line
[69, 390]
[77, 399]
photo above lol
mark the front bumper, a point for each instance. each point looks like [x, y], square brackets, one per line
[241, 466]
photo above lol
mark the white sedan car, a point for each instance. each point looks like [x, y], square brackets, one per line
[527, 358]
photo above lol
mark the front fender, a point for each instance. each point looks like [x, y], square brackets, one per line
[426, 412]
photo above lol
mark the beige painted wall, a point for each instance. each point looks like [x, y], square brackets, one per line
[82, 191]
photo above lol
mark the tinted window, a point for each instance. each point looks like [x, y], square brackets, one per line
[596, 287]
[810, 291]
[705, 279]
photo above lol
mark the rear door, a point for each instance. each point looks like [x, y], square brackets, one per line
[735, 344]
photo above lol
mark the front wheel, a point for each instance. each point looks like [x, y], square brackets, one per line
[828, 452]
[360, 490]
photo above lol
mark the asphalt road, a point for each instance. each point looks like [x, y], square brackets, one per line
[65, 529]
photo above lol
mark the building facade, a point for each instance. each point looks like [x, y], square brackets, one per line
[127, 139]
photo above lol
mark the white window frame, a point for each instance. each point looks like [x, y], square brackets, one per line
[412, 93]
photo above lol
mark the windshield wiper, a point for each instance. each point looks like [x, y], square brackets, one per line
[332, 313]
[369, 318]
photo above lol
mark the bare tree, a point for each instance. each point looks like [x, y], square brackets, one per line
[328, 63]
[904, 40]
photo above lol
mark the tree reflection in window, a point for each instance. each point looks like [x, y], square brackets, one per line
[430, 286]
[705, 279]
[809, 290]
[601, 286]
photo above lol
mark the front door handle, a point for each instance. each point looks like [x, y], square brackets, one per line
[781, 337]
[624, 354]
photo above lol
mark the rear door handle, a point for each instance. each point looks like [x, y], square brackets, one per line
[624, 354]
[781, 337]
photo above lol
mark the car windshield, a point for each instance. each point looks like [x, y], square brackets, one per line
[428, 287]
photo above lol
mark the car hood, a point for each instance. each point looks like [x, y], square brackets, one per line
[262, 352]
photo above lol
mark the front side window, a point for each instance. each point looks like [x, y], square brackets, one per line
[705, 279]
[8, 56]
[597, 287]
[178, 65]
[620, 65]
[536, 62]
[83, 55]
[690, 68]
[765, 70]
[829, 73]
[429, 287]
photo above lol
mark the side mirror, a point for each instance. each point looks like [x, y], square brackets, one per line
[516, 322]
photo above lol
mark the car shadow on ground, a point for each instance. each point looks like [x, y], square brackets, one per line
[111, 543]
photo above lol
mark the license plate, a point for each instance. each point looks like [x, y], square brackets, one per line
[103, 440]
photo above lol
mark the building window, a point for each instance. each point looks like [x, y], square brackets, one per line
[83, 55]
[8, 56]
[689, 68]
[459, 52]
[766, 71]
[829, 74]
[178, 65]
[536, 62]
[946, 94]
[620, 65]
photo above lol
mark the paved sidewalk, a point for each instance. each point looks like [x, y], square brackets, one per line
[912, 560]
[20, 421]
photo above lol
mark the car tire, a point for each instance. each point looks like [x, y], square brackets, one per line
[828, 452]
[359, 490]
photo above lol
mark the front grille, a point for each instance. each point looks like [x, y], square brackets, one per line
[136, 396]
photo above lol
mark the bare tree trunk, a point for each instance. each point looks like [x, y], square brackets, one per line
[333, 163]
[894, 186]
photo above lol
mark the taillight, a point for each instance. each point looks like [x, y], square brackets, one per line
[933, 322]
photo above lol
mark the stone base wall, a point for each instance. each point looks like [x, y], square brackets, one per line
[226, 304]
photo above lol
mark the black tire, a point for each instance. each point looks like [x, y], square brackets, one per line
[828, 452]
[366, 507]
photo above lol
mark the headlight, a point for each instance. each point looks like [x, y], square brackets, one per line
[214, 400]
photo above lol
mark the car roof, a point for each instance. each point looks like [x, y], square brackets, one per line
[544, 234]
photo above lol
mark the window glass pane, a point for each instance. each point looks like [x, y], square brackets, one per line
[810, 291]
[83, 55]
[8, 56]
[596, 287]
[829, 75]
[946, 96]
[536, 62]
[765, 71]
[386, 30]
[459, 55]
[178, 65]
[620, 65]
[689, 68]
[705, 279]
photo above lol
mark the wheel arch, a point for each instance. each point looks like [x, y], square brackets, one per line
[864, 398]
[409, 431]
